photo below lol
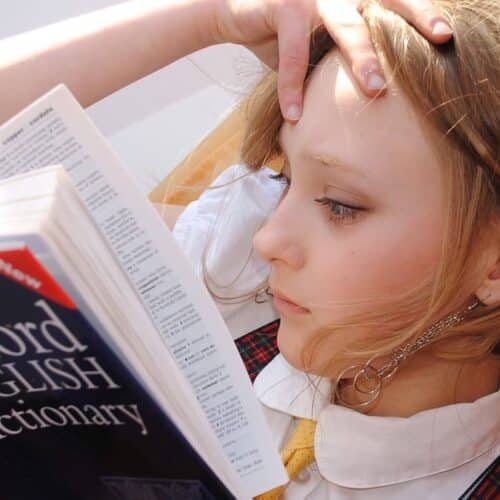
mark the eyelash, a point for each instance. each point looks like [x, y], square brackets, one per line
[339, 211]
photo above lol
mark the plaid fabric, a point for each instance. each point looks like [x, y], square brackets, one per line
[258, 348]
[487, 485]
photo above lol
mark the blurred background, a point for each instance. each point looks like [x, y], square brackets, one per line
[156, 122]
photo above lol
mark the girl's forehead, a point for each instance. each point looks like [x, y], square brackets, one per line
[382, 135]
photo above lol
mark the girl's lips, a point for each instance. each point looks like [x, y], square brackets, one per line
[286, 306]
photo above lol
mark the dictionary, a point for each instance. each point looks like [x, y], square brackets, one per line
[118, 376]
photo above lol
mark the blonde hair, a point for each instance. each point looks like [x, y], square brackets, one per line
[455, 89]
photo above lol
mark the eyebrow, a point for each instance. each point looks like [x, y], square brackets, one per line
[328, 161]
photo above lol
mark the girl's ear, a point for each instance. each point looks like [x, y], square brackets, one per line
[489, 291]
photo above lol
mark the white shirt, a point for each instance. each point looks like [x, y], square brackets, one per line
[222, 222]
[435, 454]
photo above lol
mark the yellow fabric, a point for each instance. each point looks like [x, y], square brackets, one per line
[297, 454]
[219, 150]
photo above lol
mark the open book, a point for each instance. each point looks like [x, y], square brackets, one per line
[119, 378]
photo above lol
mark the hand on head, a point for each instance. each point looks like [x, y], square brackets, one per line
[279, 33]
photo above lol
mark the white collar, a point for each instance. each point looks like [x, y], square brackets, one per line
[361, 451]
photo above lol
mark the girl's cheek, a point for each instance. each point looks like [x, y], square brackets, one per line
[369, 271]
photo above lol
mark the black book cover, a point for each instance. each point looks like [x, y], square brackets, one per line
[74, 421]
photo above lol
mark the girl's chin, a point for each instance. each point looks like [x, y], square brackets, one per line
[297, 353]
[290, 349]
[294, 351]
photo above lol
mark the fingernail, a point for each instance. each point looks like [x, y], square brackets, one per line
[293, 113]
[375, 81]
[441, 28]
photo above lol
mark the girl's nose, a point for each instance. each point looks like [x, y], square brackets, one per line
[279, 239]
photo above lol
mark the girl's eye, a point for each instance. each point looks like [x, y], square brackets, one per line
[339, 211]
[280, 178]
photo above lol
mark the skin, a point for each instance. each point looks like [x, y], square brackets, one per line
[320, 260]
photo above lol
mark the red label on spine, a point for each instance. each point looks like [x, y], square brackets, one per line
[21, 266]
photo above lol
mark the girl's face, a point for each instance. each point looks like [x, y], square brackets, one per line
[362, 217]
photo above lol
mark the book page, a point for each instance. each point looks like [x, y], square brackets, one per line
[39, 205]
[56, 130]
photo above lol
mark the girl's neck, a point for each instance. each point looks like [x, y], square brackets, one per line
[428, 382]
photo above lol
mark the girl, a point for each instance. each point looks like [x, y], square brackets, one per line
[383, 257]
[361, 242]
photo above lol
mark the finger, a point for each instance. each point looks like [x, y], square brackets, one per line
[425, 16]
[348, 29]
[293, 52]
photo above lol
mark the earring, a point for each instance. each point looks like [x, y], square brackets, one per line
[262, 295]
[367, 381]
